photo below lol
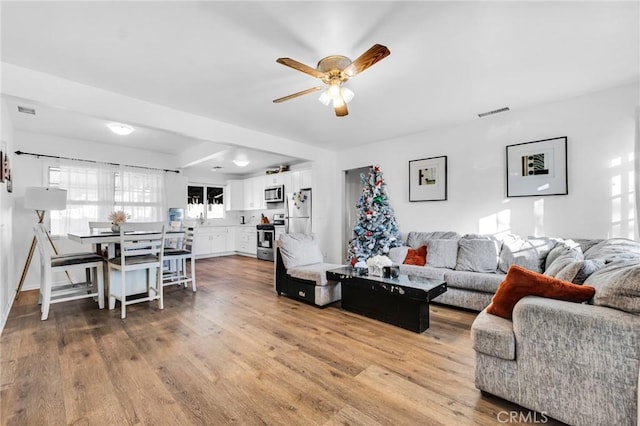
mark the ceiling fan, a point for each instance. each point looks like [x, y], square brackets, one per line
[333, 71]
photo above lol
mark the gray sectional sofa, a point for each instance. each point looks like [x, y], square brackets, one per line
[577, 363]
[472, 265]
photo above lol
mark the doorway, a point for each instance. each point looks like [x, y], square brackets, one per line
[352, 191]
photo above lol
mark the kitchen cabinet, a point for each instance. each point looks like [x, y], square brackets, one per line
[275, 179]
[234, 195]
[211, 241]
[246, 240]
[300, 179]
[254, 193]
[248, 194]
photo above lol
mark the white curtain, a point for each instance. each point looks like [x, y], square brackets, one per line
[141, 194]
[90, 191]
[95, 190]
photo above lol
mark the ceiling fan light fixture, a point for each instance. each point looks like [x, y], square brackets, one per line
[347, 94]
[120, 129]
[241, 163]
[325, 98]
[340, 97]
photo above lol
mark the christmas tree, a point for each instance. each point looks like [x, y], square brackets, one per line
[376, 230]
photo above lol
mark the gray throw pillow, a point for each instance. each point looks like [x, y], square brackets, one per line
[577, 272]
[299, 250]
[442, 253]
[615, 249]
[398, 254]
[528, 253]
[477, 255]
[564, 261]
[418, 239]
[617, 286]
[562, 247]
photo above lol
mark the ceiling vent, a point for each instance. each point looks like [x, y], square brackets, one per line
[495, 111]
[26, 110]
[216, 168]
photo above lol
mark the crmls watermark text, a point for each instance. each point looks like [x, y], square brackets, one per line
[520, 417]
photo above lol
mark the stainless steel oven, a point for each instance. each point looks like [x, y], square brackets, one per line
[266, 237]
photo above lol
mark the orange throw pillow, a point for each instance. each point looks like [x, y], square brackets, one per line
[521, 282]
[416, 257]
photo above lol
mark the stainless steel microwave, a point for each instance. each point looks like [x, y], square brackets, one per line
[274, 194]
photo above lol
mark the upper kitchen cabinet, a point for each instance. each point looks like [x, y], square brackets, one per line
[248, 194]
[300, 179]
[254, 193]
[235, 195]
[275, 179]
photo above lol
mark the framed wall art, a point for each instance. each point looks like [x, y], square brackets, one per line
[428, 179]
[537, 168]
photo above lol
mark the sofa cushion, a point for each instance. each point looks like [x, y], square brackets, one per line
[315, 272]
[477, 255]
[615, 249]
[416, 257]
[617, 286]
[521, 282]
[423, 271]
[577, 272]
[398, 254]
[476, 281]
[417, 239]
[442, 253]
[493, 336]
[562, 261]
[299, 250]
[529, 253]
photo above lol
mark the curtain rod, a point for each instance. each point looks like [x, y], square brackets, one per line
[93, 161]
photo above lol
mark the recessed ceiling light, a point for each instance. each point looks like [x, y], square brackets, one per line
[120, 129]
[241, 163]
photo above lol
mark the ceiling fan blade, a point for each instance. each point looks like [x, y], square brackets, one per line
[375, 54]
[295, 95]
[300, 67]
[341, 110]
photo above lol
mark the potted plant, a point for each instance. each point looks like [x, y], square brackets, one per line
[117, 218]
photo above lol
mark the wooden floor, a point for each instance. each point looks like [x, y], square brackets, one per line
[234, 352]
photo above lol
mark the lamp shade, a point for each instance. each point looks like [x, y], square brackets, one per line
[36, 198]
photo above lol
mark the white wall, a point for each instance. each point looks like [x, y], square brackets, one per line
[600, 131]
[8, 280]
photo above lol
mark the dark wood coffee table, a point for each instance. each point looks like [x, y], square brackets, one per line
[402, 301]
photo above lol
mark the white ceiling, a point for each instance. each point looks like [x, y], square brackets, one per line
[449, 60]
[82, 127]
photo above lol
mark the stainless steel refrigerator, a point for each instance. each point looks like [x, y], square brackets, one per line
[297, 210]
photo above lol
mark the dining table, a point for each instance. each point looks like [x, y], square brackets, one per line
[136, 280]
[110, 238]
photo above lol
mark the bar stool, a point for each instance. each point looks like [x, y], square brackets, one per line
[57, 292]
[179, 255]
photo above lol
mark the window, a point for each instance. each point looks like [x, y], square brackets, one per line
[93, 192]
[196, 207]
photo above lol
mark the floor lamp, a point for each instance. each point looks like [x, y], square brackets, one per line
[41, 200]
